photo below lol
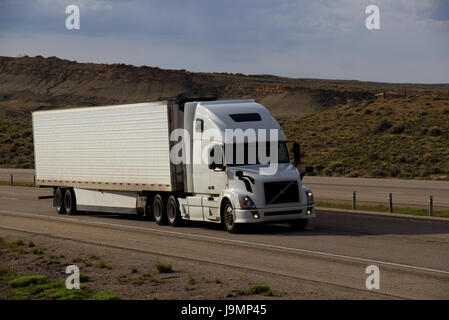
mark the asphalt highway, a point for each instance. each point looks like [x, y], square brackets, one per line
[412, 254]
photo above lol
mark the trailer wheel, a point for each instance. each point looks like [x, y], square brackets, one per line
[160, 214]
[173, 213]
[299, 224]
[229, 217]
[149, 213]
[70, 202]
[59, 200]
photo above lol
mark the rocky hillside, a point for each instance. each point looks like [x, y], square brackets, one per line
[36, 83]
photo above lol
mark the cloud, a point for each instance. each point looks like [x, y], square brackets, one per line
[295, 38]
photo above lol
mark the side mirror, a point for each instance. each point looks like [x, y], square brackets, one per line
[306, 171]
[296, 153]
[212, 164]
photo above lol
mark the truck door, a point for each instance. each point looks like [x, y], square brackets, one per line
[200, 168]
[218, 179]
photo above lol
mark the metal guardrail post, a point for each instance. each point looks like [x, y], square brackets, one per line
[390, 200]
[11, 182]
[431, 206]
[354, 201]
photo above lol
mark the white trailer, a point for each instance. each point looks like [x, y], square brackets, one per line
[118, 159]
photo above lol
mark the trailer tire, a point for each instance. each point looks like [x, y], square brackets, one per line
[159, 210]
[70, 202]
[149, 213]
[299, 224]
[173, 213]
[228, 218]
[59, 200]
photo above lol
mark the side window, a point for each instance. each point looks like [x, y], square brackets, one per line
[199, 125]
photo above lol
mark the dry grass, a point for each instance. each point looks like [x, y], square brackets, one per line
[399, 137]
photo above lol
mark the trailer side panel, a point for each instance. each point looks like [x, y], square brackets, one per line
[123, 147]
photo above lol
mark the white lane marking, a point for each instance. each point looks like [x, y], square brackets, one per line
[263, 245]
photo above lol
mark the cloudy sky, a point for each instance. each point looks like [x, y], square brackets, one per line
[295, 38]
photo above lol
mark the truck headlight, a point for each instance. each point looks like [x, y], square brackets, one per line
[310, 199]
[246, 203]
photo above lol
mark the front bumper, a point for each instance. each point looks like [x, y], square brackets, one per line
[274, 214]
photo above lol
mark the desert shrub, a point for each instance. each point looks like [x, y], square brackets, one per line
[382, 126]
[398, 128]
[335, 165]
[434, 131]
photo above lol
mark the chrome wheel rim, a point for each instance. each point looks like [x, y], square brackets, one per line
[171, 211]
[157, 210]
[229, 216]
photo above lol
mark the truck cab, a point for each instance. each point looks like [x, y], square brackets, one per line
[235, 185]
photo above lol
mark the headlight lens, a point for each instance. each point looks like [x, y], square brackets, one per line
[246, 203]
[310, 199]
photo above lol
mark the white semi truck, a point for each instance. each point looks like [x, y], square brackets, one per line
[146, 159]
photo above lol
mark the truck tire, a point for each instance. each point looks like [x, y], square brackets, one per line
[173, 213]
[159, 210]
[228, 218]
[70, 202]
[149, 214]
[299, 224]
[59, 200]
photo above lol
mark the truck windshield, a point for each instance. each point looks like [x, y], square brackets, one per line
[253, 158]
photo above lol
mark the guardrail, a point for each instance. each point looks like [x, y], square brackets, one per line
[12, 180]
[430, 204]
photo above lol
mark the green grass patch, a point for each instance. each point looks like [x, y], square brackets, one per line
[105, 295]
[259, 289]
[5, 273]
[38, 251]
[384, 208]
[16, 184]
[84, 277]
[103, 265]
[163, 268]
[37, 287]
[19, 243]
[25, 281]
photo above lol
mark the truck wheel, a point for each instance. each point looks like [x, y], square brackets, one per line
[59, 200]
[70, 202]
[149, 214]
[173, 213]
[228, 217]
[160, 214]
[299, 224]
